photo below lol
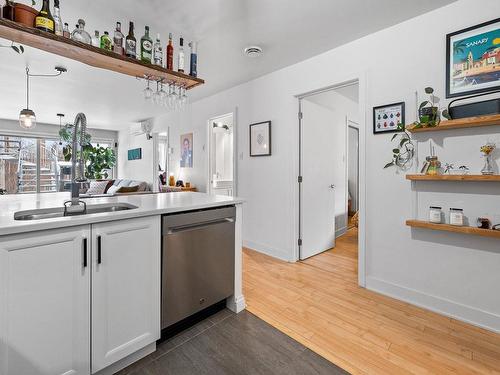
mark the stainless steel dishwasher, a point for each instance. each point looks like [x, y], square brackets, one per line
[197, 261]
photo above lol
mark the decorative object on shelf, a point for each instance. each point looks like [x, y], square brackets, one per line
[457, 217]
[472, 59]
[483, 223]
[260, 139]
[387, 118]
[79, 34]
[179, 183]
[188, 184]
[496, 227]
[27, 117]
[135, 154]
[435, 214]
[404, 152]
[428, 112]
[8, 11]
[24, 14]
[186, 151]
[487, 150]
[171, 180]
[450, 169]
[481, 108]
[44, 20]
[434, 166]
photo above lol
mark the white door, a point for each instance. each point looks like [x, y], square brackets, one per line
[125, 288]
[45, 303]
[317, 188]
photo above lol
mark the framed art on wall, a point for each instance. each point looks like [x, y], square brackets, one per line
[386, 118]
[187, 150]
[260, 139]
[134, 154]
[473, 59]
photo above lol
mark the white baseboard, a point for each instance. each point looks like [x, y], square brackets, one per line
[269, 250]
[468, 314]
[339, 232]
[236, 304]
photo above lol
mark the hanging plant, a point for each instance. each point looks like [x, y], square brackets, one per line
[404, 152]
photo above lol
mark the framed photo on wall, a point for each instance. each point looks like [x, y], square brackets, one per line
[387, 118]
[260, 139]
[473, 60]
[187, 150]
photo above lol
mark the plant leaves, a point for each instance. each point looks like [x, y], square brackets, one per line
[21, 48]
[429, 90]
[394, 137]
[389, 165]
[15, 49]
[403, 141]
[395, 150]
[423, 104]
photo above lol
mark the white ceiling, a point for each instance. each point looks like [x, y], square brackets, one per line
[289, 31]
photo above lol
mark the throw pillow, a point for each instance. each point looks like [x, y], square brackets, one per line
[97, 187]
[112, 190]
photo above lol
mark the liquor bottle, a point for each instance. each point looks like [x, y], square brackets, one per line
[146, 46]
[181, 58]
[170, 53]
[118, 40]
[158, 52]
[8, 11]
[131, 42]
[58, 25]
[193, 66]
[79, 34]
[44, 20]
[106, 42]
[66, 32]
[96, 39]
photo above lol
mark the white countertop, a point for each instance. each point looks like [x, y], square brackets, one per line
[148, 204]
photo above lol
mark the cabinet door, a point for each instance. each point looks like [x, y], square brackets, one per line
[125, 288]
[45, 302]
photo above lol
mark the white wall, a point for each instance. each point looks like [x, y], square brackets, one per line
[450, 273]
[142, 169]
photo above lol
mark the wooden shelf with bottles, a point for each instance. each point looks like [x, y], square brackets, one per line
[469, 122]
[453, 228]
[448, 177]
[91, 55]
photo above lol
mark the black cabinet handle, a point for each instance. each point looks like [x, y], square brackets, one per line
[84, 252]
[99, 259]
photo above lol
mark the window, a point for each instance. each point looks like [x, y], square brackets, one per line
[36, 165]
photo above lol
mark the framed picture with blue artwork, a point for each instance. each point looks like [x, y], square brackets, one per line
[473, 60]
[387, 118]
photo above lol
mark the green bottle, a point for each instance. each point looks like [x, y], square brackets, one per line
[106, 42]
[146, 47]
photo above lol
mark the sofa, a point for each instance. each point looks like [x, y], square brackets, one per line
[106, 188]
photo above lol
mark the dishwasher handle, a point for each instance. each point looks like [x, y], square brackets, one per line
[199, 225]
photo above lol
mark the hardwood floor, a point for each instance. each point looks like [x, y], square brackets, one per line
[318, 303]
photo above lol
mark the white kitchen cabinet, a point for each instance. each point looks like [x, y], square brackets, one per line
[126, 270]
[45, 302]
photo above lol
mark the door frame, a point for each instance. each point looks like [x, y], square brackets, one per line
[353, 125]
[235, 150]
[361, 80]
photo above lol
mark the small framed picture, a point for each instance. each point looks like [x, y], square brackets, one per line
[387, 118]
[473, 60]
[260, 139]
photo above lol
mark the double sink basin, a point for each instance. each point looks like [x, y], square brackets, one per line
[50, 213]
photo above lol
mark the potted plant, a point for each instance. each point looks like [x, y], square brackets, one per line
[25, 14]
[404, 151]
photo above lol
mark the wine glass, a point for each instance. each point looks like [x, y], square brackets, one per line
[148, 93]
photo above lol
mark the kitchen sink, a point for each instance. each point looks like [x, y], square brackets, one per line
[50, 213]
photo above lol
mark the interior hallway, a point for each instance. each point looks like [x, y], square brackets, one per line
[318, 303]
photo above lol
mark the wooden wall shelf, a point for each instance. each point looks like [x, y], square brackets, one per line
[455, 229]
[470, 122]
[448, 177]
[90, 55]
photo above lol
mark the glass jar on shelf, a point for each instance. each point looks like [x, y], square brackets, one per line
[80, 35]
[434, 166]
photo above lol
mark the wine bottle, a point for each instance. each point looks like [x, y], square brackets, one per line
[146, 46]
[131, 42]
[66, 32]
[118, 39]
[158, 52]
[181, 57]
[8, 11]
[193, 71]
[44, 20]
[58, 25]
[170, 53]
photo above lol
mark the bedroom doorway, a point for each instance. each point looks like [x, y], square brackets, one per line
[222, 155]
[328, 168]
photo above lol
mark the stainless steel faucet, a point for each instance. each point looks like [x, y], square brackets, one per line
[78, 174]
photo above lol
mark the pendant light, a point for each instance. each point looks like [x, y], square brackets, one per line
[61, 116]
[27, 118]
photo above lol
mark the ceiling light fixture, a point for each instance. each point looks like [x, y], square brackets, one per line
[253, 51]
[27, 118]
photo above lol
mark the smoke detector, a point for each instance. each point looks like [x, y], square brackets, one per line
[253, 51]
